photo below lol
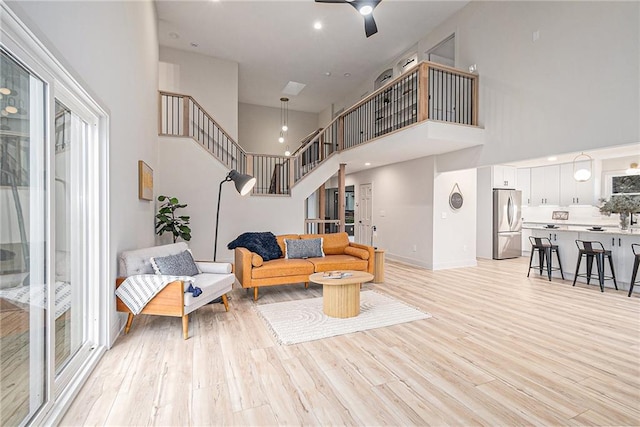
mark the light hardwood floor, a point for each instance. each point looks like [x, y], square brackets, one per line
[500, 349]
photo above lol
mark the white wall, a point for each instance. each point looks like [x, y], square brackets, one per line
[112, 49]
[402, 208]
[259, 129]
[574, 89]
[191, 174]
[454, 231]
[213, 82]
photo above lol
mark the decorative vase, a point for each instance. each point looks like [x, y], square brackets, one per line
[624, 220]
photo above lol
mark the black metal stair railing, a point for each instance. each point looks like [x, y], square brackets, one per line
[429, 91]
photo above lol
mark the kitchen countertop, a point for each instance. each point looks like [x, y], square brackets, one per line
[632, 231]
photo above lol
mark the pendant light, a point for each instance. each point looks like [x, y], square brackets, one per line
[284, 113]
[287, 152]
[582, 174]
[633, 169]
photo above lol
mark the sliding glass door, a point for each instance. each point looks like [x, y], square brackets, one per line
[51, 237]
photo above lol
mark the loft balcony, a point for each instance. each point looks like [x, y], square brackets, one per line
[431, 109]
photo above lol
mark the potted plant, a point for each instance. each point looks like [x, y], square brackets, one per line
[623, 204]
[167, 221]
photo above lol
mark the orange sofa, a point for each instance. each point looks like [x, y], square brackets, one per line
[340, 254]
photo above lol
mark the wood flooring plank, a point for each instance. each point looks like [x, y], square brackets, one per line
[501, 349]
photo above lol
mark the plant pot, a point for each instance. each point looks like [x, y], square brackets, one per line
[624, 220]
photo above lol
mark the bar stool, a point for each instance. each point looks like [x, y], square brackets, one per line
[636, 251]
[594, 249]
[545, 250]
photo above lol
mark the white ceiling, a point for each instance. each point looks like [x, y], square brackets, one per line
[274, 42]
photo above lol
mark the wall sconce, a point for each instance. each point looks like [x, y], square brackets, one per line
[473, 68]
[582, 174]
[633, 169]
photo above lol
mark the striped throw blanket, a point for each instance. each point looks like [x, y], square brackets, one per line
[136, 291]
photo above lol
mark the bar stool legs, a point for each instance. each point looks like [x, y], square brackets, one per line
[594, 250]
[545, 251]
[636, 263]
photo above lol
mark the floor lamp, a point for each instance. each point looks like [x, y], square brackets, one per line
[244, 184]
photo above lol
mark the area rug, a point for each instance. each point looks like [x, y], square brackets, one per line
[293, 322]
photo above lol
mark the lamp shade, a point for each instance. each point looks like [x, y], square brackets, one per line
[244, 183]
[582, 166]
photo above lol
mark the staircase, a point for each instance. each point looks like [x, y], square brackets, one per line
[428, 92]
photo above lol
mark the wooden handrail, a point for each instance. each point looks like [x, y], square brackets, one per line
[206, 114]
[414, 85]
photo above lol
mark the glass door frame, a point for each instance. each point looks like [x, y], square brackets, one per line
[24, 46]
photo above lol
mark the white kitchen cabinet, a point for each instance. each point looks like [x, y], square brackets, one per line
[573, 192]
[620, 247]
[545, 185]
[523, 183]
[503, 176]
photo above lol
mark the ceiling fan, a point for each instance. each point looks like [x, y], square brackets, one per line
[365, 7]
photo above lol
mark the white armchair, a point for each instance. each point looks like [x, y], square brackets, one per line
[215, 280]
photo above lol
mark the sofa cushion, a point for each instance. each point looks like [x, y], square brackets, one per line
[138, 261]
[333, 243]
[212, 286]
[301, 249]
[356, 252]
[338, 262]
[281, 239]
[262, 243]
[181, 264]
[282, 268]
[256, 260]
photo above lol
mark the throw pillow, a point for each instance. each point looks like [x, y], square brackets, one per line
[262, 243]
[181, 264]
[300, 249]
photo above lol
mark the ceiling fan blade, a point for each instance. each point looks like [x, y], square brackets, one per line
[370, 27]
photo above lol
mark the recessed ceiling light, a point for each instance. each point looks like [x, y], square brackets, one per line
[552, 158]
[367, 164]
[317, 25]
[328, 73]
[194, 44]
[366, 10]
[347, 74]
[174, 35]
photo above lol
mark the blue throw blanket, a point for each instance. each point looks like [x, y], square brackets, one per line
[264, 244]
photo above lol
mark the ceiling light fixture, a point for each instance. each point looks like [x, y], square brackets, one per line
[287, 152]
[633, 169]
[552, 158]
[366, 10]
[367, 164]
[284, 113]
[582, 173]
[347, 74]
[193, 44]
[317, 25]
[281, 139]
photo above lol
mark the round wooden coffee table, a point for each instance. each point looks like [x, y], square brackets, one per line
[341, 297]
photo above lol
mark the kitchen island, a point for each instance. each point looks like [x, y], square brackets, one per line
[612, 238]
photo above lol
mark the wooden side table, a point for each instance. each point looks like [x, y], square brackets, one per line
[341, 297]
[378, 266]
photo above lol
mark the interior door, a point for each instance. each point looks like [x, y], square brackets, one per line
[364, 214]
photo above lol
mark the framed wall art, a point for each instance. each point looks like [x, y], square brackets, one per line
[145, 181]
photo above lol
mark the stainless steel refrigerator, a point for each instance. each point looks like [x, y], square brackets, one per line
[507, 224]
